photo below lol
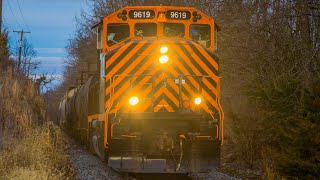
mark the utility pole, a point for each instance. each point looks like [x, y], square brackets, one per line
[20, 46]
[28, 69]
[0, 17]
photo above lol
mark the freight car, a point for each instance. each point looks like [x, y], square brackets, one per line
[154, 104]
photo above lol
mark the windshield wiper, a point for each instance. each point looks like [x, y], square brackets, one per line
[140, 32]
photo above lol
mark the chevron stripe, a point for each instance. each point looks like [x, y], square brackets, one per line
[161, 89]
[190, 60]
[137, 58]
[165, 91]
[197, 69]
[126, 86]
[123, 58]
[174, 85]
[163, 104]
[196, 60]
[208, 87]
[183, 68]
[118, 56]
[128, 67]
[120, 81]
[188, 91]
[204, 56]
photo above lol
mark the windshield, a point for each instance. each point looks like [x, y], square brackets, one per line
[201, 34]
[117, 32]
[174, 30]
[145, 29]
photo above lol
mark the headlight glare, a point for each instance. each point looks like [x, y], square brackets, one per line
[197, 100]
[164, 49]
[163, 59]
[133, 100]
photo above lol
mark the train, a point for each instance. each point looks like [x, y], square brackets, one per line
[153, 104]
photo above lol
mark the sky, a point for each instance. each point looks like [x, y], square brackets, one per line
[51, 23]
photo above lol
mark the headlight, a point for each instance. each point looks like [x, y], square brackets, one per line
[133, 100]
[163, 59]
[197, 100]
[163, 49]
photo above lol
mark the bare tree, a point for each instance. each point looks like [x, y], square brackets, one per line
[28, 55]
[28, 64]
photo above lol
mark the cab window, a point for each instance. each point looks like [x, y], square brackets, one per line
[174, 30]
[145, 29]
[117, 32]
[201, 34]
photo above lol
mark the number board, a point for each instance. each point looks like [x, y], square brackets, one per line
[141, 14]
[180, 15]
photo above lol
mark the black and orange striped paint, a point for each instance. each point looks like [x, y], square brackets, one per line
[134, 69]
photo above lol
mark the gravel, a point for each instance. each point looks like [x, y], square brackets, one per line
[88, 166]
[212, 175]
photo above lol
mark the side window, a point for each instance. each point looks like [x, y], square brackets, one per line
[117, 32]
[145, 29]
[102, 65]
[174, 30]
[99, 38]
[201, 33]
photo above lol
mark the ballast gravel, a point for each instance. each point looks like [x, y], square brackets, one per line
[214, 175]
[88, 166]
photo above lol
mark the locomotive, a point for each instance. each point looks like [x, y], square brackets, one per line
[153, 106]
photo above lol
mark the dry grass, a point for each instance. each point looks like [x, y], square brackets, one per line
[29, 149]
[19, 106]
[38, 155]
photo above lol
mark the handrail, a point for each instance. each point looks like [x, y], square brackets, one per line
[106, 117]
[180, 76]
[221, 114]
[113, 87]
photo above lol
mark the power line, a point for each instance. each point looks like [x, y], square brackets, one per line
[9, 28]
[13, 14]
[23, 19]
[5, 23]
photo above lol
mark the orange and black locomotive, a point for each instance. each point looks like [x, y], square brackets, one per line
[154, 104]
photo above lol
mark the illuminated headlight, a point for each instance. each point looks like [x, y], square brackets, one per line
[163, 59]
[133, 101]
[164, 49]
[197, 100]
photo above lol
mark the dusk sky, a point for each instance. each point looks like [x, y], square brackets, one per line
[51, 23]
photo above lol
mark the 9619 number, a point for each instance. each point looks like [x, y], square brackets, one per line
[178, 15]
[141, 14]
[181, 15]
